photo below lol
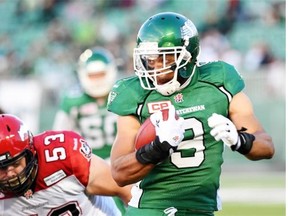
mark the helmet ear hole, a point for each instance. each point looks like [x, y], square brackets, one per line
[184, 73]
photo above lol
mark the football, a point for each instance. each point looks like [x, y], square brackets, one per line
[146, 133]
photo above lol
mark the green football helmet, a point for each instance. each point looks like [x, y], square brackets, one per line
[97, 71]
[161, 36]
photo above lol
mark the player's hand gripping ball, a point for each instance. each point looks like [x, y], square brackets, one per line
[147, 133]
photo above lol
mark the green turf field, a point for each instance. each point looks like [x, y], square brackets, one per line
[265, 194]
[246, 209]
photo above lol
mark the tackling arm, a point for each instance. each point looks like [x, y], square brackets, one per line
[102, 183]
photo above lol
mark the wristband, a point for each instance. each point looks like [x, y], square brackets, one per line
[154, 153]
[244, 144]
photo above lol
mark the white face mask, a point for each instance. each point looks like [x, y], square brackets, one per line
[148, 75]
[97, 87]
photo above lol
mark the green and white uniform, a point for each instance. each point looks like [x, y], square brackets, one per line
[189, 179]
[88, 116]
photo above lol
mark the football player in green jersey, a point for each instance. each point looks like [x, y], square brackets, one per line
[83, 109]
[178, 173]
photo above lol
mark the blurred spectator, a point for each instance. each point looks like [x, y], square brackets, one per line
[259, 55]
[275, 13]
[76, 25]
[232, 56]
[122, 3]
[233, 13]
[63, 28]
[212, 41]
[276, 81]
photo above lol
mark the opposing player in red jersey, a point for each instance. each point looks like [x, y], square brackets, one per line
[52, 173]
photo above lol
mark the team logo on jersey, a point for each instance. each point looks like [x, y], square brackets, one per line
[111, 97]
[85, 149]
[28, 194]
[159, 105]
[178, 98]
[191, 109]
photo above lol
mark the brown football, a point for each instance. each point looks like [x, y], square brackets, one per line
[146, 133]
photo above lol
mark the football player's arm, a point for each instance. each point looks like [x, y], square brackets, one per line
[242, 115]
[62, 121]
[101, 181]
[125, 167]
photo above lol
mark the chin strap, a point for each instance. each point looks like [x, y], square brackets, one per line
[168, 88]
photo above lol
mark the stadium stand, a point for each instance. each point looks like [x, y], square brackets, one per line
[40, 40]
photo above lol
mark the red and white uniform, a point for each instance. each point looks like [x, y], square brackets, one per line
[64, 160]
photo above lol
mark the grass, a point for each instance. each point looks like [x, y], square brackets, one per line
[255, 180]
[248, 209]
[263, 181]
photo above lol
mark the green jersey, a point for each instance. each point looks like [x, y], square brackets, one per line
[89, 116]
[189, 178]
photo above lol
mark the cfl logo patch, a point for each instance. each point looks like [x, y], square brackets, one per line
[159, 105]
